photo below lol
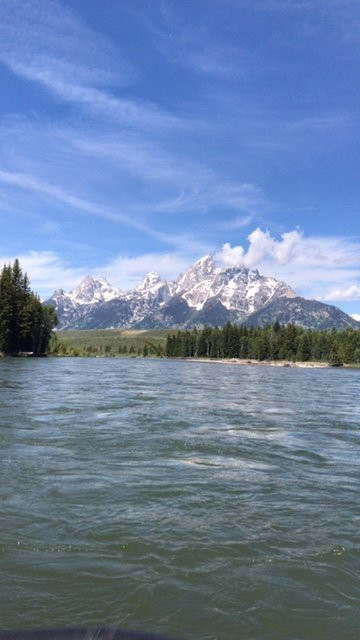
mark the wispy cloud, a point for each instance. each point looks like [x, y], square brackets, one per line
[105, 150]
[46, 271]
[239, 222]
[224, 62]
[146, 174]
[342, 16]
[182, 241]
[46, 43]
[32, 183]
[349, 293]
[197, 187]
[71, 159]
[49, 37]
[126, 271]
[197, 45]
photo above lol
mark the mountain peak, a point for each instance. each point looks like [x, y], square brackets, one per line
[204, 294]
[205, 260]
[92, 290]
[152, 289]
[151, 279]
[201, 270]
[206, 265]
[88, 280]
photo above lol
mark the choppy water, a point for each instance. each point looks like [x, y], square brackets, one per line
[200, 500]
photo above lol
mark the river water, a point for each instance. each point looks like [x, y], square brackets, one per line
[201, 500]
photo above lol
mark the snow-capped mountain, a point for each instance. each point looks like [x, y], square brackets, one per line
[309, 314]
[94, 290]
[238, 289]
[204, 294]
[153, 288]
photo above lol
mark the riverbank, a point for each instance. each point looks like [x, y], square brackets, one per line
[228, 361]
[263, 363]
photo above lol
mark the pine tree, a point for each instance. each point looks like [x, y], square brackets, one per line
[304, 347]
[25, 324]
[334, 357]
[6, 310]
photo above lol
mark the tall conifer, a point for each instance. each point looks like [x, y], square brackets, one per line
[25, 324]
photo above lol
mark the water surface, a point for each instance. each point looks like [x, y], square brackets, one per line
[200, 500]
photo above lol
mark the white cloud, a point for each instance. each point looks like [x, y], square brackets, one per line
[326, 268]
[349, 293]
[46, 271]
[356, 316]
[126, 272]
[261, 246]
[231, 256]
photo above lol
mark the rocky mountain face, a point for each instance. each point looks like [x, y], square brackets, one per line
[204, 295]
[309, 314]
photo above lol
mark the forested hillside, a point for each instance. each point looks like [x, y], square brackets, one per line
[25, 324]
[277, 342]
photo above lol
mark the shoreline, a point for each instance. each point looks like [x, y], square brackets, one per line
[287, 364]
[284, 364]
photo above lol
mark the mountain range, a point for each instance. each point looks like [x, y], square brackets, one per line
[204, 295]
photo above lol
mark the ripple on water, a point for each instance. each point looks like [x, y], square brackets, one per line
[200, 501]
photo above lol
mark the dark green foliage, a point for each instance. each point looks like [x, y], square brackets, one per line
[277, 342]
[335, 359]
[25, 324]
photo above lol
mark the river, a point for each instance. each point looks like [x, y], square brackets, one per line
[207, 502]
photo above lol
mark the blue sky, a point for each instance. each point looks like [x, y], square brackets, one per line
[141, 135]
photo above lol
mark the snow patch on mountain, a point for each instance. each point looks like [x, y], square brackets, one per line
[238, 291]
[93, 290]
[237, 288]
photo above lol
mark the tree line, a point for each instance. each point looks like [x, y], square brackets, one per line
[59, 348]
[276, 342]
[25, 324]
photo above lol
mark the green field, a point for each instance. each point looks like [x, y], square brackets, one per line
[110, 342]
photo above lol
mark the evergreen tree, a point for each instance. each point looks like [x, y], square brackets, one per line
[25, 324]
[201, 348]
[303, 352]
[6, 310]
[269, 343]
[334, 356]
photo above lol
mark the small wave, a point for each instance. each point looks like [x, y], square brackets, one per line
[224, 463]
[279, 410]
[310, 456]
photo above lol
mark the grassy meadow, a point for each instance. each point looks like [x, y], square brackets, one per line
[110, 342]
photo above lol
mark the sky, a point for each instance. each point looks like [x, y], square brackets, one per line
[139, 136]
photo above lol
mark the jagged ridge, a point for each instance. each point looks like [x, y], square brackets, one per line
[309, 314]
[204, 294]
